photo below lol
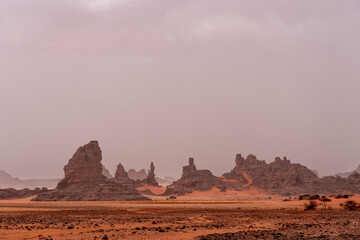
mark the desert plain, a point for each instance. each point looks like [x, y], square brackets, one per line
[189, 217]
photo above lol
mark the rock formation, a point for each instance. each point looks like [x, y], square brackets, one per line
[84, 180]
[285, 178]
[193, 179]
[121, 173]
[137, 175]
[121, 176]
[150, 179]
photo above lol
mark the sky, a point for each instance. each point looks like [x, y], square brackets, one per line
[163, 80]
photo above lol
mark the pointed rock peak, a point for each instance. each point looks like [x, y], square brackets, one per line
[85, 163]
[120, 172]
[152, 169]
[239, 160]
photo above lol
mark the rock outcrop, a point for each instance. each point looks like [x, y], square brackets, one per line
[150, 179]
[194, 180]
[121, 173]
[121, 176]
[84, 180]
[285, 178]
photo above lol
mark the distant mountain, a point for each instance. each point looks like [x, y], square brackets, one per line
[137, 175]
[7, 181]
[347, 174]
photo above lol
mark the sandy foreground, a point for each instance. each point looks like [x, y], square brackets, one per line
[185, 218]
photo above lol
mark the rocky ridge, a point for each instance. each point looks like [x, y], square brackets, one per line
[285, 178]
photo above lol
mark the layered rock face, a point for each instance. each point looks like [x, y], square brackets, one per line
[121, 173]
[84, 180]
[150, 179]
[193, 179]
[283, 177]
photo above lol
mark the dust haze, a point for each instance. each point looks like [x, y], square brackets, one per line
[162, 80]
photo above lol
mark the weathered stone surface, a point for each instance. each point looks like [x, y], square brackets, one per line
[283, 177]
[137, 175]
[193, 179]
[150, 179]
[120, 172]
[121, 176]
[84, 180]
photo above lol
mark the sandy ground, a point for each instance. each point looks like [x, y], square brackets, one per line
[180, 219]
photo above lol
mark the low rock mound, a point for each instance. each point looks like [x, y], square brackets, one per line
[11, 193]
[194, 180]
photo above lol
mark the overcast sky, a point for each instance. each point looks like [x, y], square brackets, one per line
[163, 80]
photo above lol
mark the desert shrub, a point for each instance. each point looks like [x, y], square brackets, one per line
[311, 205]
[351, 205]
[325, 200]
[304, 197]
[342, 196]
[171, 198]
[314, 197]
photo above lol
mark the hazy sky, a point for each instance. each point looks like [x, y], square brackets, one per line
[163, 80]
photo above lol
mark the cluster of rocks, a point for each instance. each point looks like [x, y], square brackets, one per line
[84, 180]
[279, 177]
[87, 179]
[286, 178]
